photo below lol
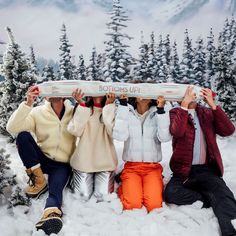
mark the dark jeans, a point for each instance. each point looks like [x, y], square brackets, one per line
[204, 185]
[58, 172]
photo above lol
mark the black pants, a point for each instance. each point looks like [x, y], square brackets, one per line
[58, 172]
[204, 185]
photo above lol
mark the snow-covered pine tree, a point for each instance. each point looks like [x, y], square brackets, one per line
[18, 198]
[140, 69]
[232, 43]
[160, 73]
[32, 62]
[175, 71]
[224, 83]
[118, 61]
[94, 70]
[10, 193]
[166, 58]
[152, 68]
[33, 68]
[48, 74]
[231, 103]
[199, 64]
[100, 65]
[5, 179]
[226, 32]
[81, 70]
[66, 67]
[15, 69]
[186, 64]
[163, 59]
[210, 58]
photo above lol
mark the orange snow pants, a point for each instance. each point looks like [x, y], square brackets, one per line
[141, 184]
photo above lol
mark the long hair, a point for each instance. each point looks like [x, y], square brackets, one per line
[133, 100]
[90, 103]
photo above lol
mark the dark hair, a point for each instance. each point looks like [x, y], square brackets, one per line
[89, 102]
[132, 100]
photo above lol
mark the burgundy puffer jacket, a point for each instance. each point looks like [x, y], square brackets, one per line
[182, 128]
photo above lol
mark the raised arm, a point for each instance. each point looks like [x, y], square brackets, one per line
[22, 119]
[81, 116]
[109, 112]
[223, 126]
[121, 127]
[179, 116]
[163, 121]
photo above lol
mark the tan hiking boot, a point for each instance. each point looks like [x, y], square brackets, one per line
[37, 183]
[51, 222]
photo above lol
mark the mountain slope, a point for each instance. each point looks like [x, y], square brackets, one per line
[161, 10]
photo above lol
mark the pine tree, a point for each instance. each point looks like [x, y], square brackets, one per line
[66, 67]
[175, 71]
[225, 82]
[100, 65]
[232, 42]
[18, 198]
[81, 71]
[48, 74]
[5, 179]
[166, 58]
[10, 192]
[199, 64]
[32, 62]
[152, 69]
[210, 58]
[118, 61]
[18, 79]
[141, 70]
[186, 65]
[230, 103]
[94, 70]
[160, 75]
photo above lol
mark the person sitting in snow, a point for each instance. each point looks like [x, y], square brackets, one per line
[94, 159]
[50, 154]
[196, 161]
[142, 125]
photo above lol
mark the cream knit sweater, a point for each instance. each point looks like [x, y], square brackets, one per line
[51, 132]
[95, 151]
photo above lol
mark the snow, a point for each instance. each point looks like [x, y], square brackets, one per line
[107, 218]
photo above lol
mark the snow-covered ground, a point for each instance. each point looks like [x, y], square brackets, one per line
[107, 218]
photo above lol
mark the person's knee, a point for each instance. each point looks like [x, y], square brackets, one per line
[83, 184]
[23, 138]
[130, 201]
[153, 204]
[133, 203]
[170, 194]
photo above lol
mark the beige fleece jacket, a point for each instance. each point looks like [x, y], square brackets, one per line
[51, 132]
[95, 151]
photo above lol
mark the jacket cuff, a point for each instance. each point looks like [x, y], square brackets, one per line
[25, 107]
[123, 102]
[160, 110]
[82, 104]
[184, 108]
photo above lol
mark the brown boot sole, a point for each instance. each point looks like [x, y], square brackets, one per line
[50, 226]
[37, 195]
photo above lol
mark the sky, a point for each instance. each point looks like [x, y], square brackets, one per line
[40, 26]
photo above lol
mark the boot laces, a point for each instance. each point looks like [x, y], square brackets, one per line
[31, 180]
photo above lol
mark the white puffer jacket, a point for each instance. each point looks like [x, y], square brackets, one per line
[142, 143]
